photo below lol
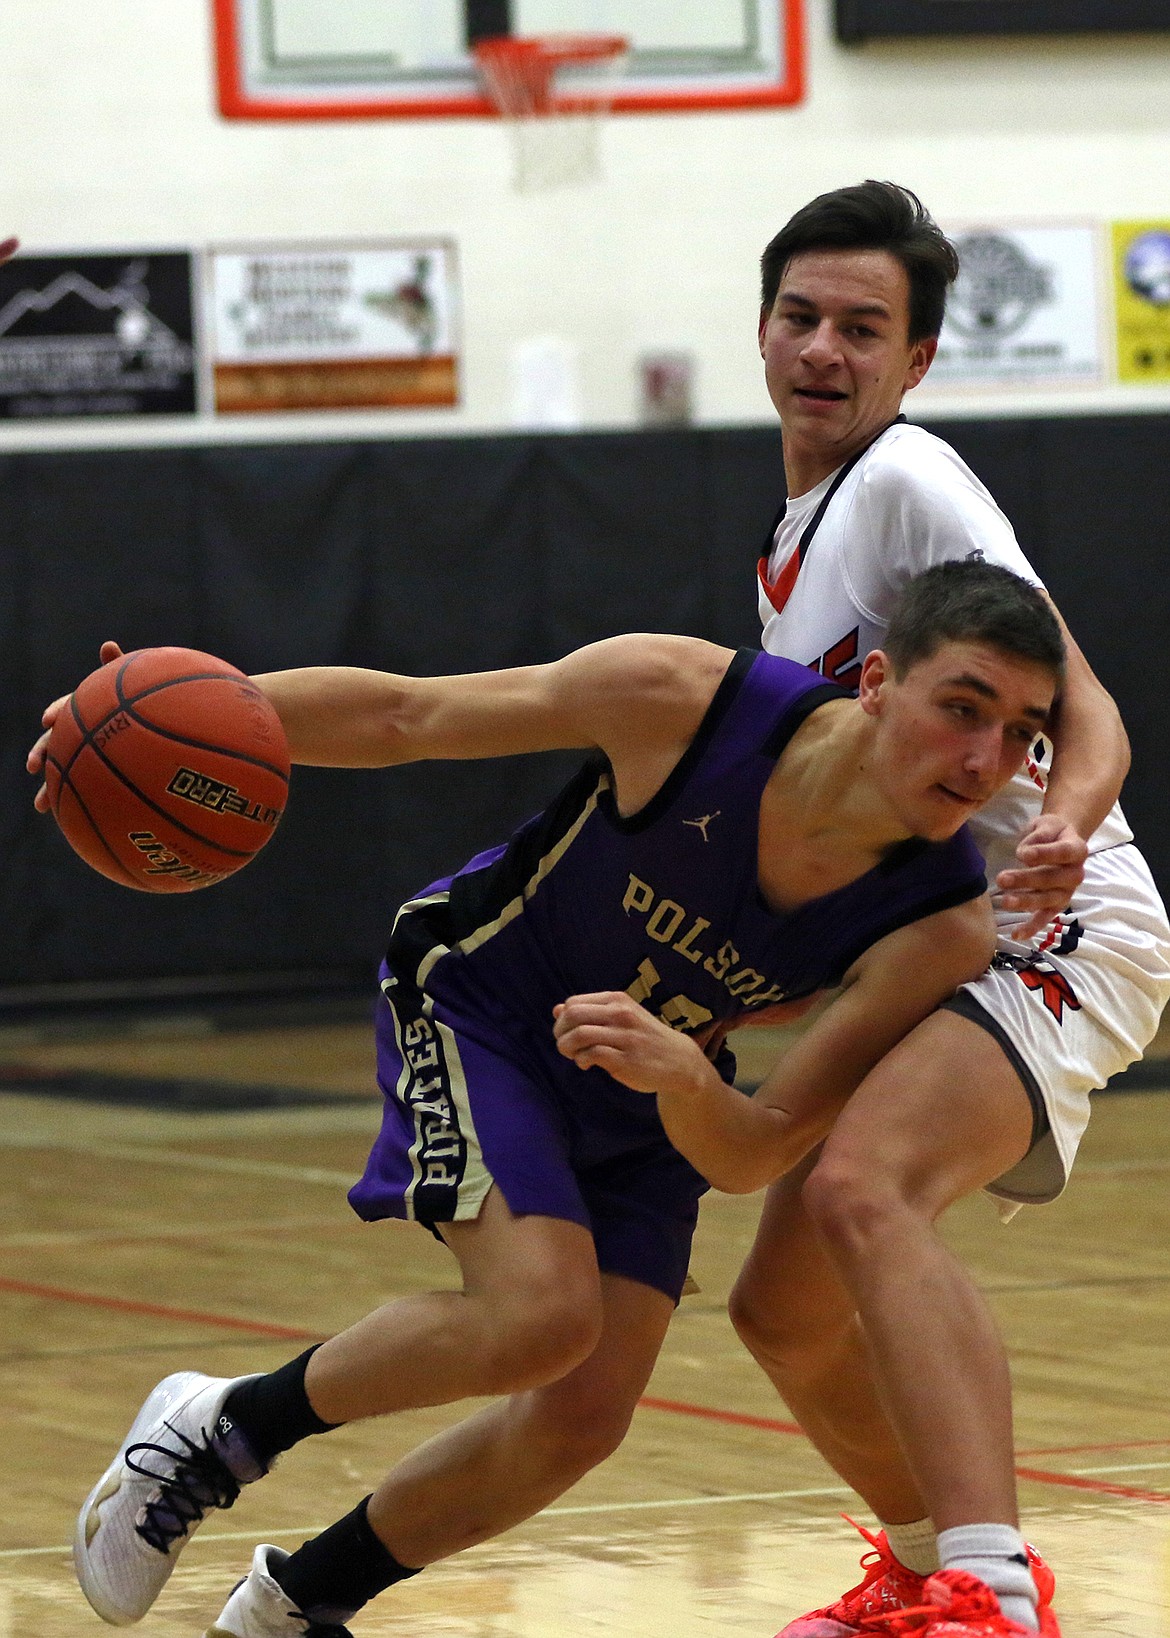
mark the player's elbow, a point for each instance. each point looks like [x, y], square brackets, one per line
[1086, 714]
[739, 1180]
[739, 1169]
[978, 959]
[1123, 751]
[970, 944]
[405, 724]
[766, 1161]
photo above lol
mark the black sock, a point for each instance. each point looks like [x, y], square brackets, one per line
[342, 1568]
[273, 1412]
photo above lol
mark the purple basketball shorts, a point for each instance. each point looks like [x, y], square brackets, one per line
[463, 1113]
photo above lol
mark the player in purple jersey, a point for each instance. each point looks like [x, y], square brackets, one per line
[743, 835]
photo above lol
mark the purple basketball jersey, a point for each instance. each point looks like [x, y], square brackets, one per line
[664, 904]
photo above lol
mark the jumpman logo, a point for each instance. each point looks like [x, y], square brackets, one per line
[701, 824]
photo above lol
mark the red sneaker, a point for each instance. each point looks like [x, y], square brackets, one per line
[957, 1605]
[889, 1587]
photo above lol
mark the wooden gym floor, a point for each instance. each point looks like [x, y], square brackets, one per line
[141, 1240]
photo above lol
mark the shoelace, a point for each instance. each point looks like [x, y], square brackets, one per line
[874, 1539]
[316, 1630]
[877, 1564]
[874, 1563]
[970, 1601]
[896, 1623]
[198, 1481]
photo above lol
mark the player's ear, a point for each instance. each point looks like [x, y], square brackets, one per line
[921, 358]
[876, 671]
[765, 315]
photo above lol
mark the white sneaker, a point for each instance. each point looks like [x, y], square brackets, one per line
[175, 1465]
[259, 1608]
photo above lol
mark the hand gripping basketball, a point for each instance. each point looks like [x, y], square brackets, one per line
[167, 769]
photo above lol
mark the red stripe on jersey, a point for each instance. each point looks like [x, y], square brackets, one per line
[780, 590]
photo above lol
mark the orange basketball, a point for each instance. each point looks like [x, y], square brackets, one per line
[167, 770]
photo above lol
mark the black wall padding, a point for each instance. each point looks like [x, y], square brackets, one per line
[438, 555]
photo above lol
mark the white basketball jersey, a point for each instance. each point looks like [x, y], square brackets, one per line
[909, 502]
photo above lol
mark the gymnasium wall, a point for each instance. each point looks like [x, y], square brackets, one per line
[452, 554]
[110, 138]
[430, 539]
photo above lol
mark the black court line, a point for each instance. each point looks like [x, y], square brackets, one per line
[175, 1094]
[190, 1095]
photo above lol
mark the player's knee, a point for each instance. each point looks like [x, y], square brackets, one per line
[579, 1431]
[540, 1341]
[759, 1320]
[852, 1205]
[569, 1333]
[587, 1444]
[781, 1330]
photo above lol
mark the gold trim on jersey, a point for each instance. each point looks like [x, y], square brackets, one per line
[481, 935]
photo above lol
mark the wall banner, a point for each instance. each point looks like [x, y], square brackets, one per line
[1025, 308]
[876, 19]
[96, 335]
[333, 326]
[1141, 283]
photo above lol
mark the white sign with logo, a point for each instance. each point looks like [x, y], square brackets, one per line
[1026, 307]
[333, 326]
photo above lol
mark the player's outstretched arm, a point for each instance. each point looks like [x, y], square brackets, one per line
[741, 1144]
[628, 696]
[639, 699]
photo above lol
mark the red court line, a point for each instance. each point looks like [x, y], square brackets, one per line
[125, 1305]
[1075, 1482]
[1085, 1450]
[736, 1418]
[157, 1310]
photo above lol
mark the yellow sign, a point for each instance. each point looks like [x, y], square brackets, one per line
[1141, 280]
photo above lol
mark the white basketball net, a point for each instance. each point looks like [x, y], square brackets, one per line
[554, 91]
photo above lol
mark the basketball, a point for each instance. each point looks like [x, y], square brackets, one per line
[167, 770]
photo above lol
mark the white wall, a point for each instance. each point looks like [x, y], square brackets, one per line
[109, 138]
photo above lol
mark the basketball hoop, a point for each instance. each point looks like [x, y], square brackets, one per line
[553, 89]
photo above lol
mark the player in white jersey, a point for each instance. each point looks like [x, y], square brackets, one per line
[873, 1333]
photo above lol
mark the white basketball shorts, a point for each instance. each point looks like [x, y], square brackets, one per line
[1077, 1006]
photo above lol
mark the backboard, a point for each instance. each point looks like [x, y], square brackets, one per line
[350, 59]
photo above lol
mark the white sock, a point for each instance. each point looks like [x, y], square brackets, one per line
[914, 1545]
[997, 1555]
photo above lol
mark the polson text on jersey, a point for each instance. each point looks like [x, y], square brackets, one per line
[665, 918]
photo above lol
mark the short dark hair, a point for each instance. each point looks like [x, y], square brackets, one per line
[967, 600]
[872, 216]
